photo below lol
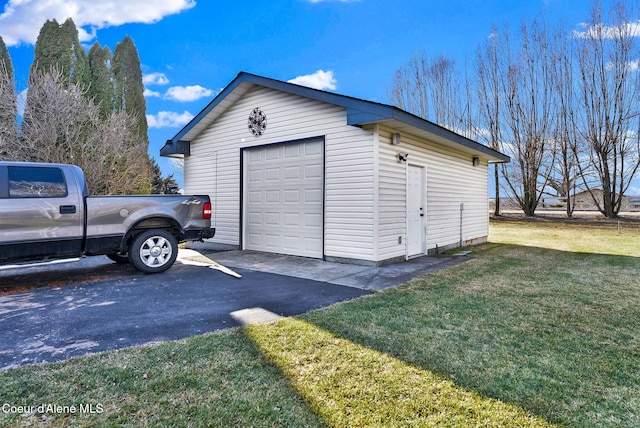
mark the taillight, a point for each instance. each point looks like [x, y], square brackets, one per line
[206, 211]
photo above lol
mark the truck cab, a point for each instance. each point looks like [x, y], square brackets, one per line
[41, 210]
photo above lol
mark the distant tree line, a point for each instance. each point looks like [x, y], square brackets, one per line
[564, 105]
[83, 108]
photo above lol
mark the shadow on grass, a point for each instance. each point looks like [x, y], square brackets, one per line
[348, 384]
[553, 333]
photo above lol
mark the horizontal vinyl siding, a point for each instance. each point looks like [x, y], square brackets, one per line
[450, 180]
[348, 170]
[349, 195]
[392, 198]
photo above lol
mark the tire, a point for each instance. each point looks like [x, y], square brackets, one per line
[153, 251]
[119, 258]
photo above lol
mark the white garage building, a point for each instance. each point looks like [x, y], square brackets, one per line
[299, 171]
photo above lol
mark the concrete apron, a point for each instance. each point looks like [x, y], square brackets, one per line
[362, 277]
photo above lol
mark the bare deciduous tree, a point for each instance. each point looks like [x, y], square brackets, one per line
[609, 83]
[429, 89]
[490, 71]
[8, 123]
[529, 116]
[61, 125]
[564, 175]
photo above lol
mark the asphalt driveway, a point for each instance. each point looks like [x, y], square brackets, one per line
[53, 313]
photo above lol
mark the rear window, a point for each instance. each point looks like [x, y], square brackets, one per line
[36, 182]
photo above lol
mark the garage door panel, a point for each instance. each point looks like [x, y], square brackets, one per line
[291, 151]
[255, 175]
[313, 245]
[289, 179]
[313, 171]
[272, 174]
[292, 173]
[291, 243]
[254, 239]
[292, 196]
[272, 219]
[255, 219]
[313, 148]
[313, 220]
[273, 241]
[313, 196]
[255, 197]
[272, 153]
[272, 196]
[255, 155]
[292, 219]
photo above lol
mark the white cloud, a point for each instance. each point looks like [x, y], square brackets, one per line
[168, 119]
[155, 79]
[608, 32]
[319, 80]
[21, 20]
[151, 94]
[187, 93]
[634, 65]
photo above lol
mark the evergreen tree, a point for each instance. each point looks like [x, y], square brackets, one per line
[129, 89]
[101, 90]
[48, 49]
[79, 65]
[160, 185]
[58, 47]
[8, 103]
[129, 95]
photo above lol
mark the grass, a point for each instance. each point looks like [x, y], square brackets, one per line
[541, 327]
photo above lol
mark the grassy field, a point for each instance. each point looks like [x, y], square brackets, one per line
[541, 327]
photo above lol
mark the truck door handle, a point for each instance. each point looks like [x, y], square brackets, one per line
[67, 209]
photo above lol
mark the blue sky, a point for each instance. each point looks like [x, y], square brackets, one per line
[189, 50]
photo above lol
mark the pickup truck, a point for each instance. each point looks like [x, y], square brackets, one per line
[46, 213]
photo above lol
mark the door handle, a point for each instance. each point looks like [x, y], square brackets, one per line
[68, 209]
[421, 212]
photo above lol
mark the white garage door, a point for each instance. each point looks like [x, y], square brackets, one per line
[283, 197]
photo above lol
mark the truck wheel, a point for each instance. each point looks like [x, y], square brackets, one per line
[153, 251]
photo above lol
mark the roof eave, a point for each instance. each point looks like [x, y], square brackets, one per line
[359, 112]
[389, 114]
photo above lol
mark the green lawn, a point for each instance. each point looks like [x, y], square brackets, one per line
[541, 327]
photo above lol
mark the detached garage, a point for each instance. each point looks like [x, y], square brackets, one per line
[294, 170]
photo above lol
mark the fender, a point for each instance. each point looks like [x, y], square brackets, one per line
[154, 221]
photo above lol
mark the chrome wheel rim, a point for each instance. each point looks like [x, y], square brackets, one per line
[155, 251]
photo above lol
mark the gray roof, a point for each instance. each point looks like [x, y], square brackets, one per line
[359, 113]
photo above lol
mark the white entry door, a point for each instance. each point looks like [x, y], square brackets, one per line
[416, 211]
[284, 198]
